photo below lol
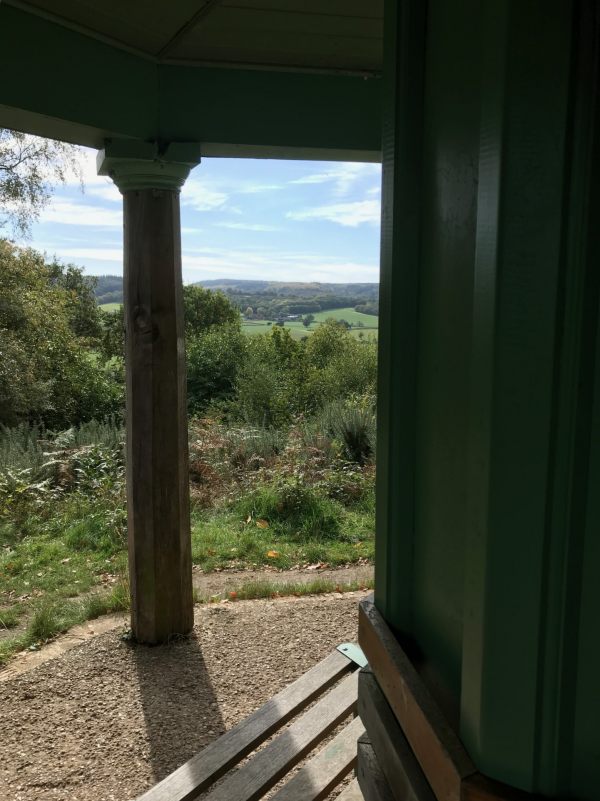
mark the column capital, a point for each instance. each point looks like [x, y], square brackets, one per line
[136, 165]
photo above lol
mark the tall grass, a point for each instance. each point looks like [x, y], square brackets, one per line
[28, 446]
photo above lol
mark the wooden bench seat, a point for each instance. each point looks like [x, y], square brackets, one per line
[333, 687]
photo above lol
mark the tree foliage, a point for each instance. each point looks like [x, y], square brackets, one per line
[204, 308]
[30, 167]
[47, 372]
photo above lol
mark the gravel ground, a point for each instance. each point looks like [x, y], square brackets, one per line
[108, 719]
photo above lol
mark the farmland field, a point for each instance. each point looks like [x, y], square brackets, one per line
[295, 327]
[297, 330]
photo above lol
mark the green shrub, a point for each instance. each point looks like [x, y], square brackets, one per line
[291, 506]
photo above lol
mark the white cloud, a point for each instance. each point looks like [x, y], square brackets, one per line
[342, 176]
[107, 191]
[67, 212]
[253, 189]
[200, 197]
[347, 214]
[240, 226]
[265, 264]
[83, 254]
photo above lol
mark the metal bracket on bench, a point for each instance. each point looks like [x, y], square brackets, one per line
[353, 652]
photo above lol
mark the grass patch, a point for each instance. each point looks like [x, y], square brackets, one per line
[224, 539]
[255, 590]
[51, 617]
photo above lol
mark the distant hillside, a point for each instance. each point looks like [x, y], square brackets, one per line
[271, 299]
[109, 289]
[233, 286]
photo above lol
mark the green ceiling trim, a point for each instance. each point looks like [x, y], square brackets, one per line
[85, 90]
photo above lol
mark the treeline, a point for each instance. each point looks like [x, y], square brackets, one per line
[265, 380]
[62, 357]
[270, 300]
[108, 289]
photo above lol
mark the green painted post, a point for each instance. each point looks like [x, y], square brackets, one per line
[402, 132]
[529, 428]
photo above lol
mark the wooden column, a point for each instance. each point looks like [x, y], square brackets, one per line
[157, 449]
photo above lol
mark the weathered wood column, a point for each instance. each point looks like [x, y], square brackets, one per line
[157, 450]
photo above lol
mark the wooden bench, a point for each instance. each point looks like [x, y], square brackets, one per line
[333, 687]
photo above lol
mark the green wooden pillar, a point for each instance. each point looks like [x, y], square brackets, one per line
[534, 335]
[157, 450]
[400, 248]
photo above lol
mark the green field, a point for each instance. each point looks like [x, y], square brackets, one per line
[349, 315]
[297, 330]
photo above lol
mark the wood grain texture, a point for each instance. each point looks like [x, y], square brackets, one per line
[351, 793]
[157, 449]
[324, 771]
[371, 779]
[393, 752]
[212, 762]
[440, 753]
[264, 770]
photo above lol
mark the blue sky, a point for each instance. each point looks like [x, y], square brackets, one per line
[241, 218]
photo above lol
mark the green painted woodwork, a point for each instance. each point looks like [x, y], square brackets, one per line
[57, 76]
[488, 520]
[135, 165]
[271, 109]
[400, 234]
[449, 205]
[65, 84]
[525, 82]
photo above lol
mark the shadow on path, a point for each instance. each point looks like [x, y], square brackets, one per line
[179, 704]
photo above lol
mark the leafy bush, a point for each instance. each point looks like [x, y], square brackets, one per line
[47, 372]
[214, 358]
[293, 507]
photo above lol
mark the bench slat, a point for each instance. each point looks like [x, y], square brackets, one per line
[265, 769]
[351, 793]
[203, 769]
[325, 771]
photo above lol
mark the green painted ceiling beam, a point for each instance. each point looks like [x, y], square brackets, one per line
[65, 84]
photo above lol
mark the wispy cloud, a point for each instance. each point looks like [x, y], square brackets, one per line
[241, 226]
[201, 263]
[342, 176]
[347, 214]
[106, 190]
[67, 212]
[201, 197]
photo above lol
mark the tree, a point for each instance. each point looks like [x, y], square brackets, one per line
[30, 167]
[46, 372]
[203, 308]
[82, 308]
[308, 319]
